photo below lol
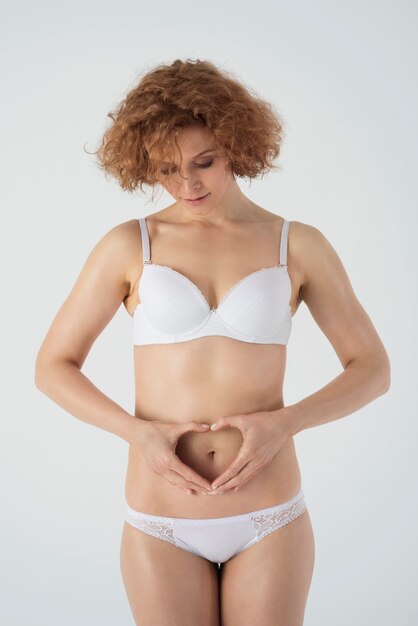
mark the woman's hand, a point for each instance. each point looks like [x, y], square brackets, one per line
[263, 433]
[156, 442]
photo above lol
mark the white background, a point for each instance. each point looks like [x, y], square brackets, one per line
[343, 75]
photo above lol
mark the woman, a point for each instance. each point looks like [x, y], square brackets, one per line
[212, 283]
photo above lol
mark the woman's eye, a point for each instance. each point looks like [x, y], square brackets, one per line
[202, 165]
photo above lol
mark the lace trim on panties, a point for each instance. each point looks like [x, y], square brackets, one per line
[160, 530]
[267, 522]
[157, 529]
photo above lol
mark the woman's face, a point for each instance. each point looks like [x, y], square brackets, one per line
[199, 174]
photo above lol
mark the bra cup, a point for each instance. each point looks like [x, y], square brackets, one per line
[170, 302]
[259, 305]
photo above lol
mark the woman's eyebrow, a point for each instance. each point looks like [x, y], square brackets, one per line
[195, 157]
[204, 152]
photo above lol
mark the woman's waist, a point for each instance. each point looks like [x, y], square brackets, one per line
[214, 361]
[151, 493]
[209, 450]
[211, 386]
[180, 402]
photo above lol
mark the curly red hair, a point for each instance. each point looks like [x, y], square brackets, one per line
[246, 129]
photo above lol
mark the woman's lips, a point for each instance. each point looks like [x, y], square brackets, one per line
[197, 200]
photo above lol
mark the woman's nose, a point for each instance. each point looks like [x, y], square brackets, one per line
[191, 184]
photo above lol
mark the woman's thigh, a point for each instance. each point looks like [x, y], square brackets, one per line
[167, 585]
[268, 584]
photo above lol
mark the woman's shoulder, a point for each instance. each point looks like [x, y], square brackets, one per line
[120, 245]
[313, 255]
[121, 230]
[305, 241]
[302, 233]
[305, 237]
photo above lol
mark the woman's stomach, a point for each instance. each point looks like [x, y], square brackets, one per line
[243, 380]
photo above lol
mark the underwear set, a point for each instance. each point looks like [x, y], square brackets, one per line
[255, 310]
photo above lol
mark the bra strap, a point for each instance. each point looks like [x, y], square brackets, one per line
[283, 243]
[145, 240]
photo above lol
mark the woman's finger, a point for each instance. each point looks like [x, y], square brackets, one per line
[188, 474]
[178, 481]
[192, 426]
[237, 465]
[240, 479]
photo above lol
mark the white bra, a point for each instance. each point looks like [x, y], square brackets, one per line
[173, 309]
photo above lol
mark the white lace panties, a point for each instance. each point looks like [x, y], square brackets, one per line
[218, 539]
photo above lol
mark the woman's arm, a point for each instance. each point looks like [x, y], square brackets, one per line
[96, 296]
[328, 293]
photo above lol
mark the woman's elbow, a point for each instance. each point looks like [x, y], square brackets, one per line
[41, 369]
[45, 367]
[384, 370]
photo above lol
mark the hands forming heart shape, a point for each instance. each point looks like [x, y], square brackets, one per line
[263, 434]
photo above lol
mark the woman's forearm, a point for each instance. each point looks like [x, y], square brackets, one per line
[361, 382]
[64, 383]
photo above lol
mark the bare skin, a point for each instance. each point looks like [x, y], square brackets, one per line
[206, 377]
[215, 245]
[209, 377]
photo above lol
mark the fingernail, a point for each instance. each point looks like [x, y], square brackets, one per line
[206, 425]
[213, 426]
